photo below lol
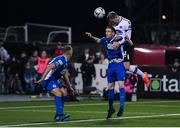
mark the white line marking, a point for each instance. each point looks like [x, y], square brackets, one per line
[50, 111]
[92, 120]
[87, 104]
[45, 106]
[161, 106]
[49, 106]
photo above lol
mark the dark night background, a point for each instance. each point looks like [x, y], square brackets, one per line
[79, 13]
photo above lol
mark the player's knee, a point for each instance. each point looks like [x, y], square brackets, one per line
[63, 91]
[135, 71]
[110, 86]
[127, 65]
[121, 86]
[57, 92]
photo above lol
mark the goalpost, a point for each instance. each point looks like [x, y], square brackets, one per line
[40, 32]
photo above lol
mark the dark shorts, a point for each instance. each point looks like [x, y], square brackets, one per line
[126, 57]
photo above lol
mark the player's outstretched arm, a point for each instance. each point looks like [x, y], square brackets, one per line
[96, 39]
[48, 68]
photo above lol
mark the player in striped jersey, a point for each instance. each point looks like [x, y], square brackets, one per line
[50, 80]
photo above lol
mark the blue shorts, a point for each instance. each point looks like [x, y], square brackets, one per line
[115, 72]
[51, 84]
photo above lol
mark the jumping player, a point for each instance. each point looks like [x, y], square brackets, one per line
[123, 29]
[116, 70]
[50, 80]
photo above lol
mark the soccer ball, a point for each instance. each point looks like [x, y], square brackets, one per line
[99, 12]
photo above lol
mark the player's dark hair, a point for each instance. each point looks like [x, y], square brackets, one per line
[67, 48]
[111, 15]
[111, 27]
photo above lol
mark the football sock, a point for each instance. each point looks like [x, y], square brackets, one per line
[111, 98]
[140, 73]
[58, 100]
[136, 70]
[122, 97]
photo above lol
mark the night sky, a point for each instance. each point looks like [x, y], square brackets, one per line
[79, 13]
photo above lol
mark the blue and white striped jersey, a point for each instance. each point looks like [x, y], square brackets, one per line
[61, 64]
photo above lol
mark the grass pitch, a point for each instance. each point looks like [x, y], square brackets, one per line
[148, 113]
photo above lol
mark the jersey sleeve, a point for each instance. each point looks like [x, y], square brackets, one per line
[122, 41]
[128, 29]
[103, 41]
[59, 62]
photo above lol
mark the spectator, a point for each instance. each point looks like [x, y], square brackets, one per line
[42, 63]
[72, 74]
[29, 77]
[58, 50]
[41, 66]
[97, 55]
[88, 73]
[14, 82]
[128, 89]
[103, 60]
[87, 69]
[33, 59]
[2, 77]
[4, 57]
[23, 60]
[175, 67]
[86, 56]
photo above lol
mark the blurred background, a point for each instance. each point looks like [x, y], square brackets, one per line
[31, 31]
[146, 16]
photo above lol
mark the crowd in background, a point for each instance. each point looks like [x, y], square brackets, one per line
[18, 73]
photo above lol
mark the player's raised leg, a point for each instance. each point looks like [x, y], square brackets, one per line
[134, 69]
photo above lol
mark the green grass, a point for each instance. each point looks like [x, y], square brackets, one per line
[137, 114]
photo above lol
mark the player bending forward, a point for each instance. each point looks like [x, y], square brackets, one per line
[123, 29]
[116, 70]
[55, 70]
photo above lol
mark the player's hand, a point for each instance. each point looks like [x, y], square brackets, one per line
[129, 41]
[88, 34]
[116, 45]
[118, 38]
[39, 81]
[72, 90]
